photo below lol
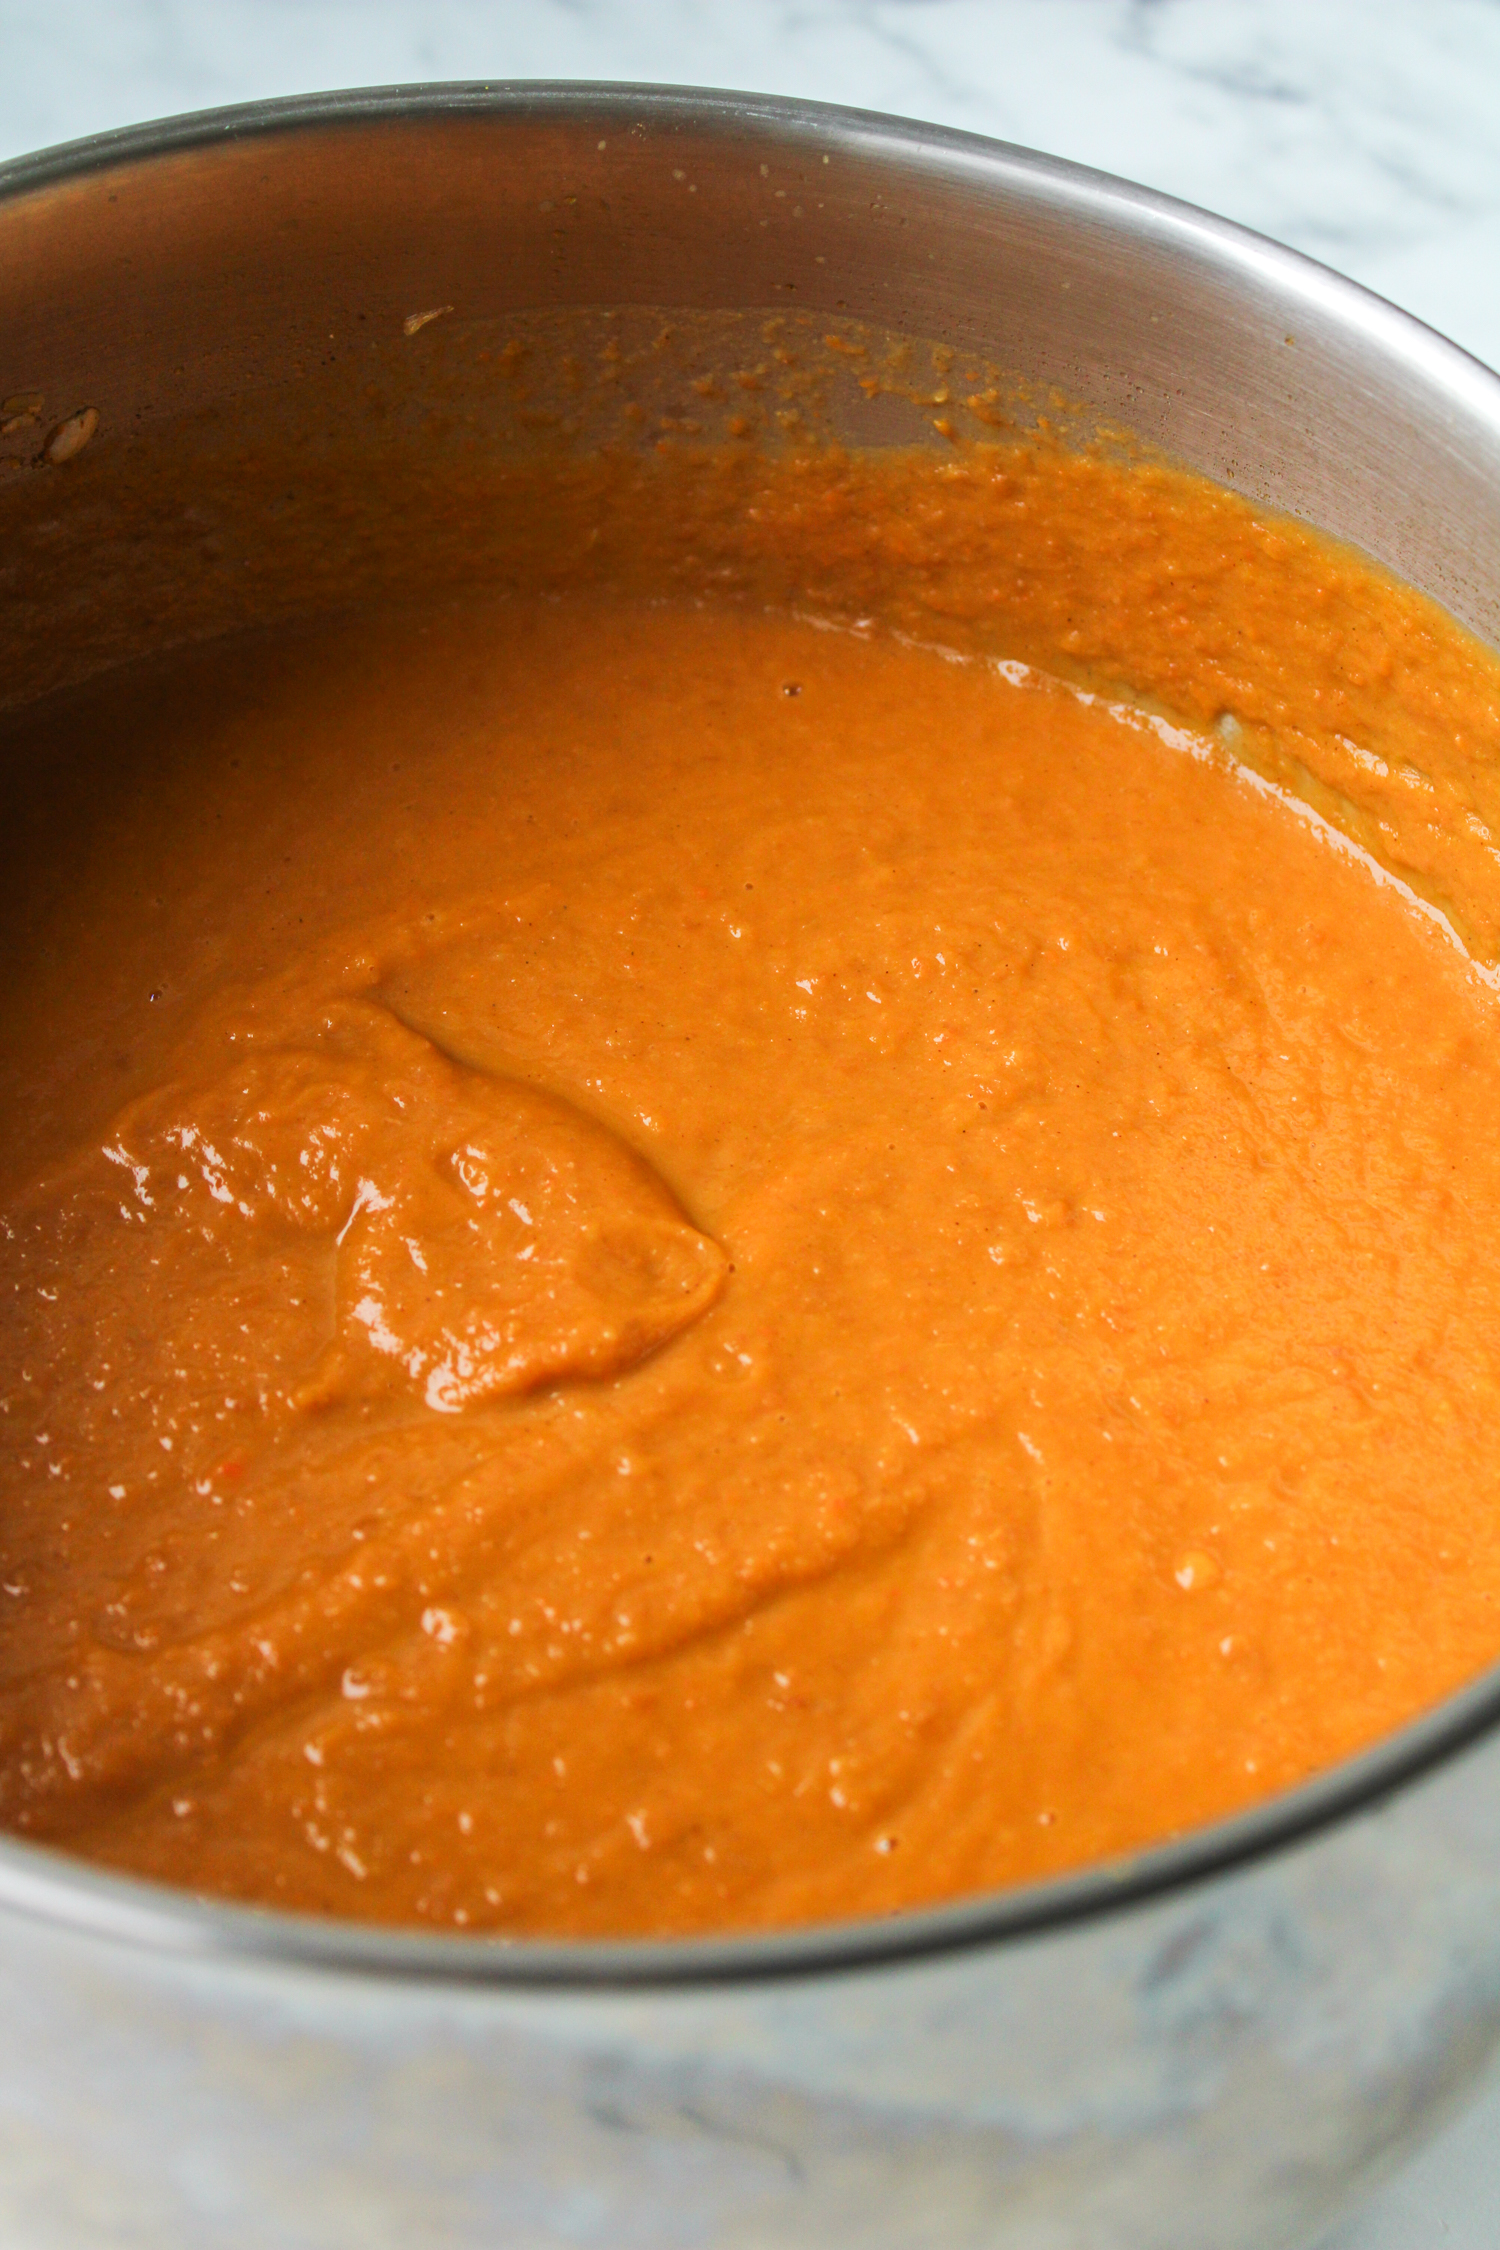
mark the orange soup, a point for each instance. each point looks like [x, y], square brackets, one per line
[676, 1265]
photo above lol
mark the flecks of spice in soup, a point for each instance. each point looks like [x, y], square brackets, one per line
[668, 1271]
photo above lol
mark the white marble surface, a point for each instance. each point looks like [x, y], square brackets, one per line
[1368, 135]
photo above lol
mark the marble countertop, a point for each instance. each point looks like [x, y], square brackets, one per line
[1366, 136]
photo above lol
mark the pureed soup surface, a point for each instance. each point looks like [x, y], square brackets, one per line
[668, 1269]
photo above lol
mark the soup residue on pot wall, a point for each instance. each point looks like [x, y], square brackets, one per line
[767, 1195]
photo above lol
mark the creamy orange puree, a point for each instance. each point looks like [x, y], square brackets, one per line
[670, 1269]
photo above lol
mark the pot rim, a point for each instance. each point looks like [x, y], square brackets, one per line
[45, 1884]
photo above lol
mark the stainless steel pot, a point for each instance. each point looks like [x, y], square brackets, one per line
[1217, 2044]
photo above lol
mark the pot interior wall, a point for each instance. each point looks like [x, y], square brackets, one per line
[239, 258]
